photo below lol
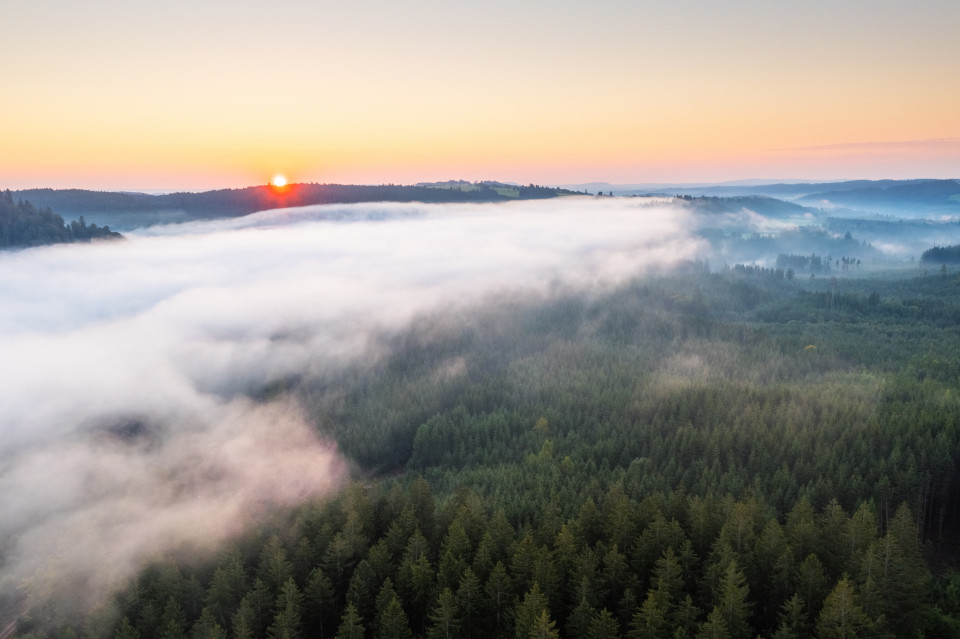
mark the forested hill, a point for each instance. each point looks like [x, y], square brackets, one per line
[896, 197]
[912, 197]
[23, 224]
[768, 207]
[236, 202]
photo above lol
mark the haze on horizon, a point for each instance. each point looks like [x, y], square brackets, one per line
[193, 96]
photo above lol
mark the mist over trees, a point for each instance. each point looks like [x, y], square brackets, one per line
[690, 455]
[22, 224]
[916, 198]
[714, 449]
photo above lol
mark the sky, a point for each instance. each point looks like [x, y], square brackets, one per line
[193, 95]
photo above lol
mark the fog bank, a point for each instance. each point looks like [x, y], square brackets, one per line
[125, 426]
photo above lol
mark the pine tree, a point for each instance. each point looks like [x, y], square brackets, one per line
[319, 604]
[206, 627]
[667, 578]
[393, 623]
[222, 596]
[769, 574]
[423, 505]
[812, 582]
[614, 575]
[835, 547]
[359, 591]
[841, 616]
[243, 621]
[173, 623]
[714, 627]
[521, 564]
[564, 552]
[351, 624]
[894, 577]
[449, 570]
[445, 620]
[650, 621]
[794, 623]
[603, 626]
[738, 529]
[801, 528]
[733, 605]
[126, 631]
[684, 616]
[578, 623]
[454, 555]
[483, 559]
[456, 541]
[275, 568]
[287, 622]
[543, 627]
[470, 600]
[499, 595]
[416, 581]
[534, 603]
[338, 561]
[384, 597]
[861, 530]
[304, 558]
[378, 557]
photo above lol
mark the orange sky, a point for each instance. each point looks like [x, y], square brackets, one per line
[114, 95]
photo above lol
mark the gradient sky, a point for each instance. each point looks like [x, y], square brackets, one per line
[194, 94]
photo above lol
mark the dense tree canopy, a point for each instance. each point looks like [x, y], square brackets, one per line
[695, 455]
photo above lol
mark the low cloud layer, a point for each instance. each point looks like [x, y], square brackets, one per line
[125, 429]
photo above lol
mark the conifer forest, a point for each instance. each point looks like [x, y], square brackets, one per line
[732, 454]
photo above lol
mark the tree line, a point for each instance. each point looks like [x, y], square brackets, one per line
[236, 202]
[942, 254]
[22, 225]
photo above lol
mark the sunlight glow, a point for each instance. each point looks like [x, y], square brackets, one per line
[278, 181]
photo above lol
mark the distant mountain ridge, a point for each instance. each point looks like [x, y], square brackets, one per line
[904, 198]
[125, 210]
[867, 199]
[916, 196]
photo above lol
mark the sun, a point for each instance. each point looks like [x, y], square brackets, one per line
[279, 181]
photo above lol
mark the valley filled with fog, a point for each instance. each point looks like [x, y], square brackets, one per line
[171, 392]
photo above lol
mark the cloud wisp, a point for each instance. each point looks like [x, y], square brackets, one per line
[940, 145]
[126, 427]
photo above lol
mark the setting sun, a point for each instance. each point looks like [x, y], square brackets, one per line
[279, 181]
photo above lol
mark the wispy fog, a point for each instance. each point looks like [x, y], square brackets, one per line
[126, 427]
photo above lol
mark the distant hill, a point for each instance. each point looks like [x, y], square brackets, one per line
[131, 210]
[719, 189]
[22, 225]
[882, 196]
[912, 198]
[853, 198]
[765, 206]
